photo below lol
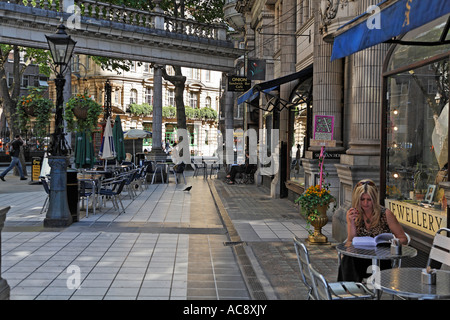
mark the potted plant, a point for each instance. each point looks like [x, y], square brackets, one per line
[314, 203]
[81, 113]
[34, 105]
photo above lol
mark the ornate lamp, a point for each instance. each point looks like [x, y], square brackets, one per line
[58, 214]
[61, 47]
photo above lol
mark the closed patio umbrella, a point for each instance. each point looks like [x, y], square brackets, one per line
[118, 140]
[107, 150]
[84, 150]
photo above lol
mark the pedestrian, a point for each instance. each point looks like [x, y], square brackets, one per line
[367, 218]
[15, 161]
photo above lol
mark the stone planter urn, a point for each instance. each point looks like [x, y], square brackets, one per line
[318, 222]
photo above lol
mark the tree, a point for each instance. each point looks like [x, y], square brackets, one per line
[10, 94]
[178, 80]
[208, 11]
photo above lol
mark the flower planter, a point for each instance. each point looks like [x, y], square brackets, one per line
[29, 110]
[80, 112]
[318, 222]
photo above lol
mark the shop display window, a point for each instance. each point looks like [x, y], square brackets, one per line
[417, 137]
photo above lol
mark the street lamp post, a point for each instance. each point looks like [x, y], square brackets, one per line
[58, 214]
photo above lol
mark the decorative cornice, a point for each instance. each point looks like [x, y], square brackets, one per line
[328, 11]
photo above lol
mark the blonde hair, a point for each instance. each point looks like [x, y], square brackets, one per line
[366, 186]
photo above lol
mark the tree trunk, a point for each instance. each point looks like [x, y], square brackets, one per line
[178, 80]
[10, 97]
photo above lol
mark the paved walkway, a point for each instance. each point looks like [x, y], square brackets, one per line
[215, 242]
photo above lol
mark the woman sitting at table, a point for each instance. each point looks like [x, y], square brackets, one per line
[367, 218]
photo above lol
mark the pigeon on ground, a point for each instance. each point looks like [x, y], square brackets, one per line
[188, 188]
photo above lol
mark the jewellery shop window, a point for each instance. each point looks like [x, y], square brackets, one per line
[417, 144]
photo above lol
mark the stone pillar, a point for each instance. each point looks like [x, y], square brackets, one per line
[4, 287]
[364, 99]
[157, 150]
[285, 67]
[327, 92]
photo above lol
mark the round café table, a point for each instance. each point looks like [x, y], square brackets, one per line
[407, 283]
[377, 253]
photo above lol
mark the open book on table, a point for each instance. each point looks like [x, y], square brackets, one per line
[383, 238]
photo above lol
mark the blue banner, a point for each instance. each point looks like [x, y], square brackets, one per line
[391, 21]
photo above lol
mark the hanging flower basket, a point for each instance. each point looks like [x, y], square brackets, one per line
[35, 106]
[82, 113]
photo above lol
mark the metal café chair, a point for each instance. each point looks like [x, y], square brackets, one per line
[158, 167]
[87, 189]
[178, 169]
[440, 249]
[319, 288]
[47, 191]
[198, 165]
[112, 190]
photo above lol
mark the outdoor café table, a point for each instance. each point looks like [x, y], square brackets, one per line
[209, 163]
[376, 254]
[407, 283]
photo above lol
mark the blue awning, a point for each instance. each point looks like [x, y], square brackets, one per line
[394, 18]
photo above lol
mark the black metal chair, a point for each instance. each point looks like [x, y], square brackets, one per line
[178, 169]
[112, 190]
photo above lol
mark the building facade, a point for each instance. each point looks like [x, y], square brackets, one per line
[132, 94]
[388, 104]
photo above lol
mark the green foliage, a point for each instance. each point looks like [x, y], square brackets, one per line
[93, 112]
[169, 112]
[34, 105]
[141, 109]
[207, 113]
[191, 113]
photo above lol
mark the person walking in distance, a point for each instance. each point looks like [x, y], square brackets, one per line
[15, 161]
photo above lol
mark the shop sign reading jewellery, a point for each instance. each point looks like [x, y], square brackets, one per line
[423, 219]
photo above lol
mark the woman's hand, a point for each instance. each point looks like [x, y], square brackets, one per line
[352, 215]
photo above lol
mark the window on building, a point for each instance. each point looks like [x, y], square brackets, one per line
[149, 95]
[146, 67]
[117, 97]
[208, 102]
[196, 74]
[171, 97]
[133, 96]
[25, 81]
[193, 99]
[133, 66]
[75, 65]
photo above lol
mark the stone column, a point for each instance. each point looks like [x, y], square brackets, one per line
[363, 100]
[327, 93]
[4, 287]
[157, 150]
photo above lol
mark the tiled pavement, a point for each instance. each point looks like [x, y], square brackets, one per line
[168, 245]
[215, 242]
